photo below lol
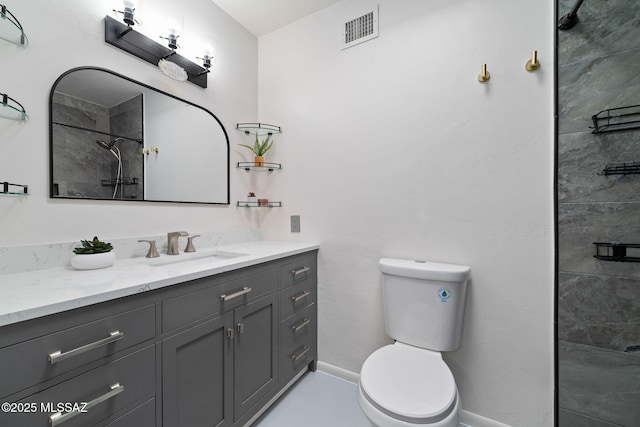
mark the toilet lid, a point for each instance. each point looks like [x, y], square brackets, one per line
[409, 383]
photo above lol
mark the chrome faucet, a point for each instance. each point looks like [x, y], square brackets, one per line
[172, 241]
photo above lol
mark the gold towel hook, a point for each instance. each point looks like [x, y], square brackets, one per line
[484, 74]
[533, 63]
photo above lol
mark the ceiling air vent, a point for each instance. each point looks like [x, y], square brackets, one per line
[360, 29]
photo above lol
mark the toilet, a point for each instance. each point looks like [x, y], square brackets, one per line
[408, 383]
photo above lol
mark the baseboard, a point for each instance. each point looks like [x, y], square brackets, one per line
[344, 374]
[474, 420]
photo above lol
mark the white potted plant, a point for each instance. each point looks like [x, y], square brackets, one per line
[93, 254]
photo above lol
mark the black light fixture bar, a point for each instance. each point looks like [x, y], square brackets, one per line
[129, 40]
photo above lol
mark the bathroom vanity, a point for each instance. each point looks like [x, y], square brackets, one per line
[199, 340]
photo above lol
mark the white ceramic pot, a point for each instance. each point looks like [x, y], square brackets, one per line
[93, 261]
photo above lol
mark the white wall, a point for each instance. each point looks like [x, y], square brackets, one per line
[393, 148]
[69, 33]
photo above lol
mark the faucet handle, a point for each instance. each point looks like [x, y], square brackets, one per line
[153, 252]
[190, 247]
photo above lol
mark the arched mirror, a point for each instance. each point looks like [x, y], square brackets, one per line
[114, 138]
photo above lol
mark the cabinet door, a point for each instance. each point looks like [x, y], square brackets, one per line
[197, 375]
[256, 352]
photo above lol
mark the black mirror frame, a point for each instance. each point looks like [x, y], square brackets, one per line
[51, 95]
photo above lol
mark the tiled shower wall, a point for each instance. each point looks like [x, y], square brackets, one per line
[598, 301]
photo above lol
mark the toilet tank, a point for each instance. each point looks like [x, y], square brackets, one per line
[424, 302]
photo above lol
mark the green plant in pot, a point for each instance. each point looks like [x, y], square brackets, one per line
[260, 148]
[93, 254]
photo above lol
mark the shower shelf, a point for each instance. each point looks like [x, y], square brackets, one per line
[8, 192]
[621, 169]
[258, 129]
[123, 181]
[112, 135]
[10, 28]
[270, 167]
[12, 112]
[616, 119]
[614, 251]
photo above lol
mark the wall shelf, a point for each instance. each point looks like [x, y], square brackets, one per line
[12, 109]
[621, 169]
[266, 166]
[124, 181]
[244, 204]
[616, 119]
[614, 251]
[258, 129]
[6, 190]
[10, 28]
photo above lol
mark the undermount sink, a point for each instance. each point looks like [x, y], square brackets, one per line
[194, 258]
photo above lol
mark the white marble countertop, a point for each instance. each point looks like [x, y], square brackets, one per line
[32, 294]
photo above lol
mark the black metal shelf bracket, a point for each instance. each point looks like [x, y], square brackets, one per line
[621, 169]
[615, 251]
[616, 119]
[258, 128]
[6, 190]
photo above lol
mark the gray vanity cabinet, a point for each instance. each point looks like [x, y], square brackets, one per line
[197, 375]
[256, 352]
[214, 351]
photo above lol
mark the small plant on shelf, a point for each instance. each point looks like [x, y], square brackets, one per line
[94, 246]
[260, 148]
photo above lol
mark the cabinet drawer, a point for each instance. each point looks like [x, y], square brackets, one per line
[142, 416]
[37, 360]
[298, 338]
[105, 391]
[300, 269]
[297, 298]
[188, 308]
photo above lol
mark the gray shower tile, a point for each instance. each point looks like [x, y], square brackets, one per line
[601, 384]
[581, 224]
[583, 156]
[604, 27]
[602, 311]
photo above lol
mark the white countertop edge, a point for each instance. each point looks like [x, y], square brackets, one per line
[29, 295]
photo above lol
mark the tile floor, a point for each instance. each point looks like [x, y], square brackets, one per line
[317, 400]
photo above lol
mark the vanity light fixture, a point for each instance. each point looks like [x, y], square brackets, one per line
[174, 65]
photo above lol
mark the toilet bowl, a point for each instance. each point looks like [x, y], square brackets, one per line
[407, 383]
[401, 386]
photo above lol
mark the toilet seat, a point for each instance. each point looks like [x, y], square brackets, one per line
[409, 383]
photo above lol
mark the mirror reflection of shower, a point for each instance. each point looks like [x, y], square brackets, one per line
[113, 149]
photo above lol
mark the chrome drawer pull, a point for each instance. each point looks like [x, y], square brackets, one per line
[302, 270]
[244, 290]
[60, 417]
[299, 297]
[58, 356]
[302, 353]
[304, 323]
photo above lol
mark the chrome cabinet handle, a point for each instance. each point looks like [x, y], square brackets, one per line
[243, 291]
[302, 270]
[301, 325]
[300, 296]
[58, 356]
[302, 353]
[60, 417]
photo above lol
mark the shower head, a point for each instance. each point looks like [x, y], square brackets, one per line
[105, 145]
[569, 20]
